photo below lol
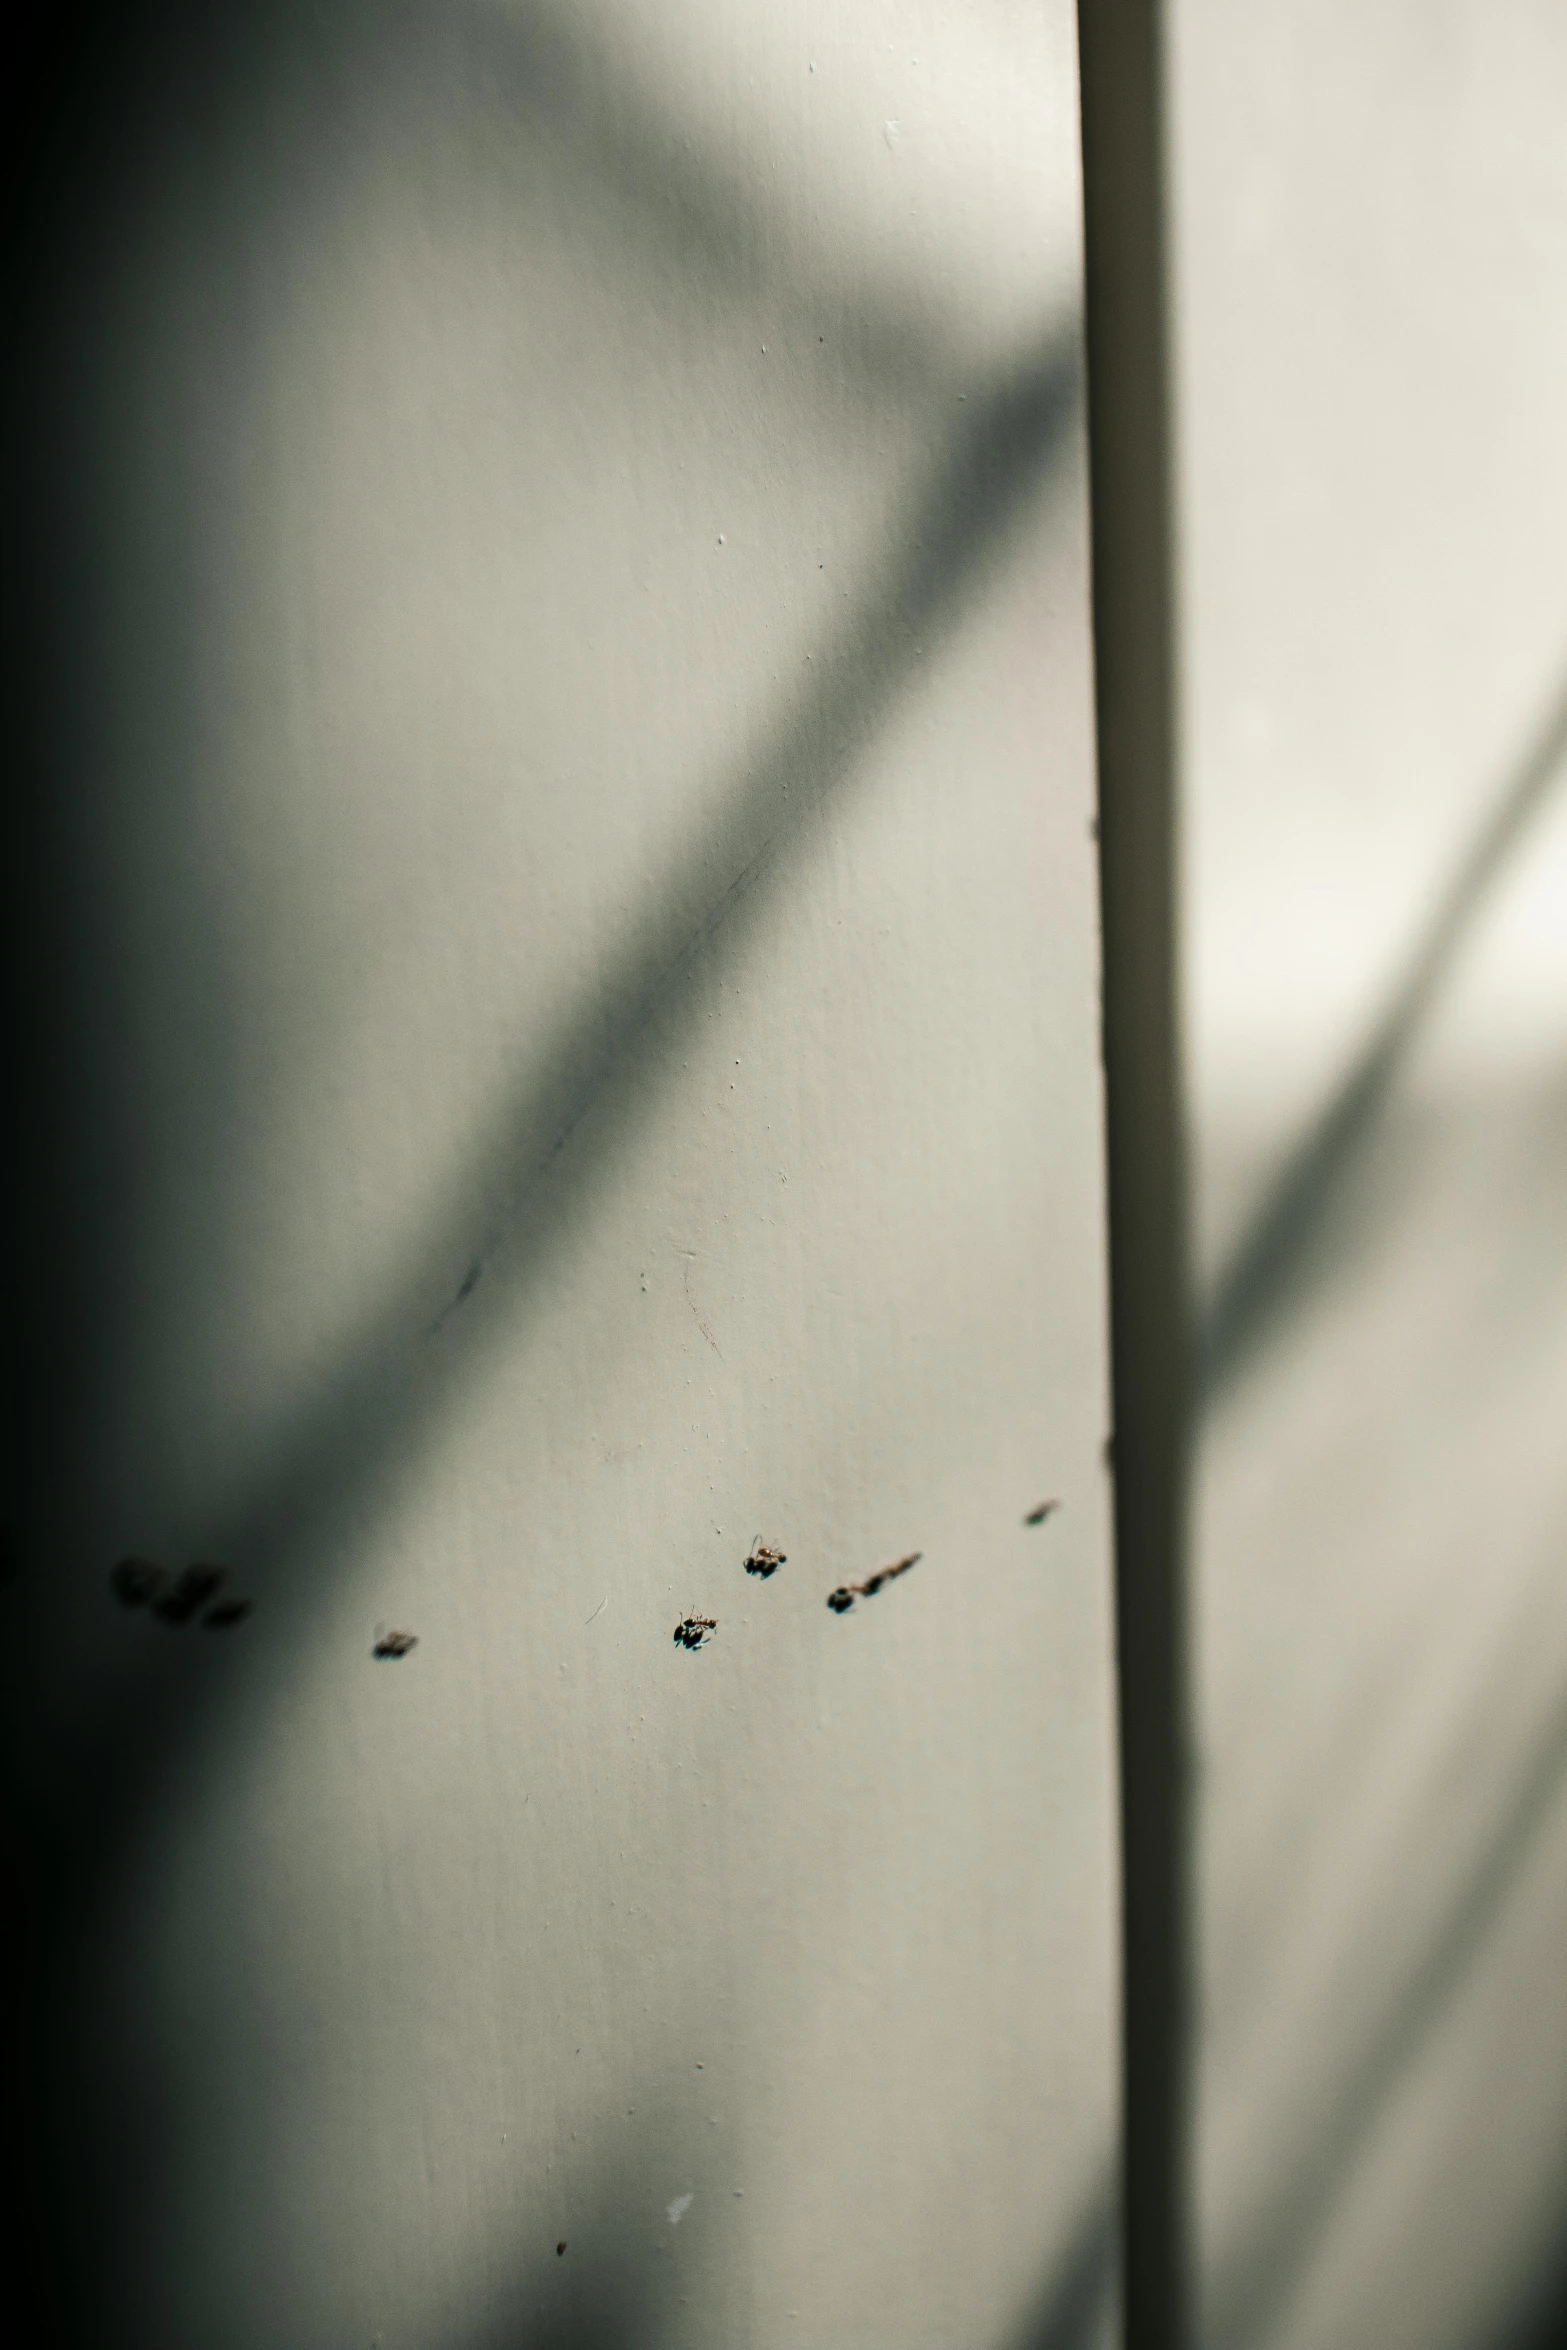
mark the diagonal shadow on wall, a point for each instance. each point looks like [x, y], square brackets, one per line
[1250, 2297]
[1075, 2306]
[1271, 1262]
[586, 1084]
[402, 1371]
[1268, 1271]
[576, 1114]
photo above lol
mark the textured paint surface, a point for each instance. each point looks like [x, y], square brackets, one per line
[587, 852]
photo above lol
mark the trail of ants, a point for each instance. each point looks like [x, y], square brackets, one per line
[139, 1582]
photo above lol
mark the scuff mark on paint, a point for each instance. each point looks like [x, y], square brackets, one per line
[678, 2209]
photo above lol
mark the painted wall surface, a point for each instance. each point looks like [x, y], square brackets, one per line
[1371, 214]
[570, 885]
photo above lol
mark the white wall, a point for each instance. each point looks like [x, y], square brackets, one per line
[583, 770]
[1371, 208]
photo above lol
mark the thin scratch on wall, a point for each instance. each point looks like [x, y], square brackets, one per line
[470, 1282]
[691, 1302]
[655, 999]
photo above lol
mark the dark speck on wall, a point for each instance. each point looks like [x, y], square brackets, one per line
[393, 1644]
[226, 1614]
[136, 1581]
[189, 1594]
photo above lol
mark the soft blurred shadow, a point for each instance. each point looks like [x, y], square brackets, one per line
[1076, 2306]
[1313, 1221]
[396, 1372]
[1543, 2323]
[554, 68]
[1274, 1258]
[616, 2286]
[578, 1108]
[404, 1370]
[1246, 2302]
[1424, 1888]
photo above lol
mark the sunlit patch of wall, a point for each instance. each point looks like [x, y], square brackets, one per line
[1372, 367]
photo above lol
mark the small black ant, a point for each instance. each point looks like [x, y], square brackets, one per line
[228, 1612]
[764, 1560]
[694, 1631]
[189, 1594]
[135, 1581]
[394, 1643]
[1041, 1511]
[841, 1600]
